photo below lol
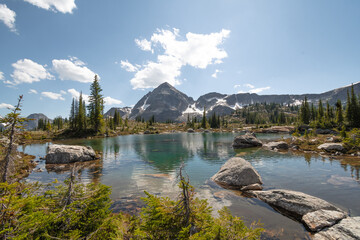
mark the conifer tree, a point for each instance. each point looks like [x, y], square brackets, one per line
[72, 114]
[320, 110]
[81, 114]
[96, 105]
[203, 121]
[305, 112]
[339, 113]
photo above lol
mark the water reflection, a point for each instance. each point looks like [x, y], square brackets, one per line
[132, 164]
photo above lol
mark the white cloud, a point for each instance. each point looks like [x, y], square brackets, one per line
[33, 91]
[111, 101]
[73, 69]
[2, 76]
[27, 71]
[198, 50]
[258, 90]
[144, 45]
[128, 66]
[237, 86]
[214, 75]
[76, 94]
[6, 105]
[167, 69]
[8, 17]
[107, 100]
[249, 85]
[64, 6]
[62, 92]
[52, 95]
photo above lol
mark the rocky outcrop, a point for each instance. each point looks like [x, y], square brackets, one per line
[190, 130]
[277, 145]
[326, 131]
[246, 141]
[348, 228]
[237, 173]
[294, 203]
[59, 154]
[278, 129]
[330, 147]
[320, 219]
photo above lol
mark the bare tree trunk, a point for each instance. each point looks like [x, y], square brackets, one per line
[11, 138]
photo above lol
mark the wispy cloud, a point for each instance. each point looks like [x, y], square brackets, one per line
[7, 16]
[52, 95]
[33, 91]
[259, 90]
[28, 71]
[251, 88]
[6, 105]
[63, 6]
[111, 101]
[76, 94]
[128, 66]
[197, 50]
[73, 69]
[214, 75]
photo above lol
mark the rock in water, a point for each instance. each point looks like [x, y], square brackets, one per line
[320, 219]
[246, 141]
[294, 203]
[278, 145]
[57, 154]
[348, 228]
[237, 173]
[331, 147]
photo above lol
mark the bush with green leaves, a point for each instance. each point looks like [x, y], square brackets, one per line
[78, 211]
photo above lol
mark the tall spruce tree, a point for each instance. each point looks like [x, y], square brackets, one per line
[320, 110]
[203, 121]
[72, 114]
[96, 106]
[305, 112]
[339, 113]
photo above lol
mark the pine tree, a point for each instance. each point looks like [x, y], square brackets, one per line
[305, 112]
[96, 105]
[339, 113]
[81, 114]
[320, 110]
[313, 112]
[203, 121]
[72, 114]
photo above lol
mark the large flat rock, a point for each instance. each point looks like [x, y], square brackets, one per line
[320, 219]
[294, 203]
[278, 145]
[346, 229]
[237, 173]
[59, 154]
[332, 147]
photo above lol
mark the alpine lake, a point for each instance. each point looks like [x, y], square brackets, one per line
[133, 164]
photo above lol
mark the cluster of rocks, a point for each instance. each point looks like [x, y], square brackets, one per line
[319, 216]
[246, 141]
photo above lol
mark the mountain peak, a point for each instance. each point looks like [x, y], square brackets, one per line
[165, 85]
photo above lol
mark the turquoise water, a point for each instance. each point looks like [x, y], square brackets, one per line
[134, 163]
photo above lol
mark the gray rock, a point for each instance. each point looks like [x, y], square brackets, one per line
[278, 129]
[320, 219]
[329, 147]
[279, 145]
[190, 130]
[252, 187]
[246, 141]
[57, 154]
[326, 131]
[347, 229]
[294, 203]
[237, 173]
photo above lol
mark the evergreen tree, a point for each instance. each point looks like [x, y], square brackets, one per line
[203, 121]
[96, 105]
[320, 110]
[339, 113]
[305, 112]
[81, 114]
[72, 114]
[313, 112]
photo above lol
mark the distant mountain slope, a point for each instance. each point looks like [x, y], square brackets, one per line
[32, 124]
[167, 103]
[124, 112]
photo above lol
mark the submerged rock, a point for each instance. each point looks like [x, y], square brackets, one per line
[348, 228]
[278, 129]
[237, 173]
[246, 141]
[329, 147]
[294, 203]
[58, 154]
[278, 145]
[190, 130]
[320, 219]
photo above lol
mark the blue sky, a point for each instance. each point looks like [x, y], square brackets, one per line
[50, 50]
